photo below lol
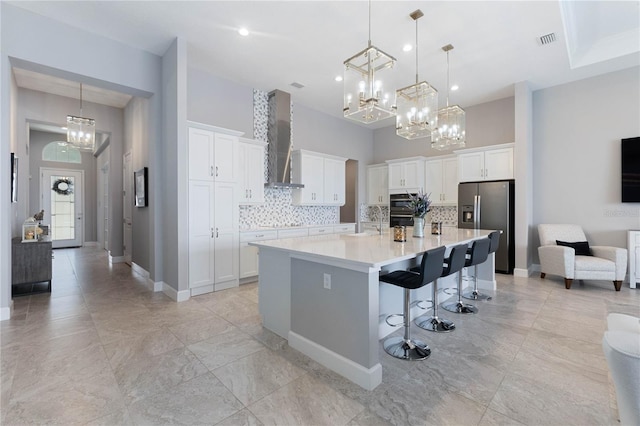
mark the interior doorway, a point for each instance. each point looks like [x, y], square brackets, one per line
[61, 195]
[349, 212]
[127, 206]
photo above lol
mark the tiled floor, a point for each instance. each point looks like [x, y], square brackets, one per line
[103, 350]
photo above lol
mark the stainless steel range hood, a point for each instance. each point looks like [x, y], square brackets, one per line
[279, 138]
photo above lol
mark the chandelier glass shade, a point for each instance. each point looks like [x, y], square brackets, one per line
[366, 99]
[81, 132]
[416, 105]
[451, 129]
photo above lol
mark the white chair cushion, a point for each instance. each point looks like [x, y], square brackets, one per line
[591, 263]
[623, 322]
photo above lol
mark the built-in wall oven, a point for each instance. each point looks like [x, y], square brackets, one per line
[399, 211]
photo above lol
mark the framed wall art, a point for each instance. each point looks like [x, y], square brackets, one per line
[141, 188]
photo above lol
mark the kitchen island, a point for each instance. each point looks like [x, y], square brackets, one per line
[322, 293]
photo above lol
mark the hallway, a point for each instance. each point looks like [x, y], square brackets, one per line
[103, 349]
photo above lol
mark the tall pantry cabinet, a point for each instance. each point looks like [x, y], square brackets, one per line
[213, 205]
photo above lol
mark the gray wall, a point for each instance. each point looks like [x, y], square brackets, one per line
[101, 64]
[577, 129]
[37, 141]
[490, 123]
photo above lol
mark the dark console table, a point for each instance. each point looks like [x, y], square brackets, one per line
[30, 267]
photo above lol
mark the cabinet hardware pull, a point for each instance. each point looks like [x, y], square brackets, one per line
[216, 232]
[211, 232]
[259, 235]
[246, 193]
[211, 172]
[216, 171]
[251, 193]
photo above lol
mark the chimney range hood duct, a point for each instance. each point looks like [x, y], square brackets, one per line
[279, 138]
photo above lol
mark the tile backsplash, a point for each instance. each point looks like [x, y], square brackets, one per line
[278, 211]
[448, 215]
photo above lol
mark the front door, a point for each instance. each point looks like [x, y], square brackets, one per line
[61, 195]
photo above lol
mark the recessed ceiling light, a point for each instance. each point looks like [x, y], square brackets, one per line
[407, 48]
[243, 31]
[454, 87]
[338, 78]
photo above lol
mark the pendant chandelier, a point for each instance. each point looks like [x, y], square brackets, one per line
[451, 130]
[81, 132]
[365, 97]
[417, 105]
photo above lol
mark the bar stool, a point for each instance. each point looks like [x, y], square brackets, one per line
[430, 269]
[474, 294]
[479, 254]
[452, 264]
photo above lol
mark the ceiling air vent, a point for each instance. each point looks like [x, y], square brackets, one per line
[548, 38]
[297, 85]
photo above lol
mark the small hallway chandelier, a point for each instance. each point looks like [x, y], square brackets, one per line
[81, 132]
[451, 131]
[417, 105]
[365, 98]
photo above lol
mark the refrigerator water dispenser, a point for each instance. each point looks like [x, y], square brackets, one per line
[467, 214]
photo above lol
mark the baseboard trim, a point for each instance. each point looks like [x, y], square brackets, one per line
[155, 286]
[5, 312]
[368, 378]
[521, 272]
[173, 294]
[115, 259]
[139, 270]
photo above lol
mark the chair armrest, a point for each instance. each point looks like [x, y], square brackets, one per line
[615, 254]
[557, 260]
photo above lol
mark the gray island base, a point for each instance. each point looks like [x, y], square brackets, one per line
[322, 293]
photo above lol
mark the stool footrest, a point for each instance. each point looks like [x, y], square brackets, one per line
[394, 316]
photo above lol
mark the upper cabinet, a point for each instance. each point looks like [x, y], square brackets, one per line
[212, 156]
[323, 177]
[251, 173]
[441, 180]
[378, 185]
[406, 174]
[486, 163]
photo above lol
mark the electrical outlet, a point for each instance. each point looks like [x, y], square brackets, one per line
[327, 281]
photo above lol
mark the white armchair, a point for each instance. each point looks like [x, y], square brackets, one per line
[607, 263]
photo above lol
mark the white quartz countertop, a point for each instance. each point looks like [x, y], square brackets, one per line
[371, 250]
[298, 226]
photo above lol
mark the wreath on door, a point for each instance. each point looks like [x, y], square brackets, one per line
[63, 186]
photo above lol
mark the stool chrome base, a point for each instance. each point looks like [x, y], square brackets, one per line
[412, 350]
[460, 308]
[435, 324]
[475, 295]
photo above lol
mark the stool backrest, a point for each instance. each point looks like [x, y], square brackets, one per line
[431, 265]
[455, 261]
[495, 241]
[479, 251]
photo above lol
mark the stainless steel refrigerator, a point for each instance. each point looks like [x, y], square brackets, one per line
[490, 205]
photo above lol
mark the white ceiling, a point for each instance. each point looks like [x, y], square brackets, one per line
[496, 43]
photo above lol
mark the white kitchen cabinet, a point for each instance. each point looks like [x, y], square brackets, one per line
[213, 210]
[347, 228]
[634, 258]
[320, 230]
[378, 185]
[212, 156]
[441, 180]
[249, 254]
[334, 181]
[323, 177]
[406, 175]
[251, 171]
[486, 163]
[292, 233]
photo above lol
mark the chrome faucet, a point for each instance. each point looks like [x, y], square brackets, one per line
[379, 217]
